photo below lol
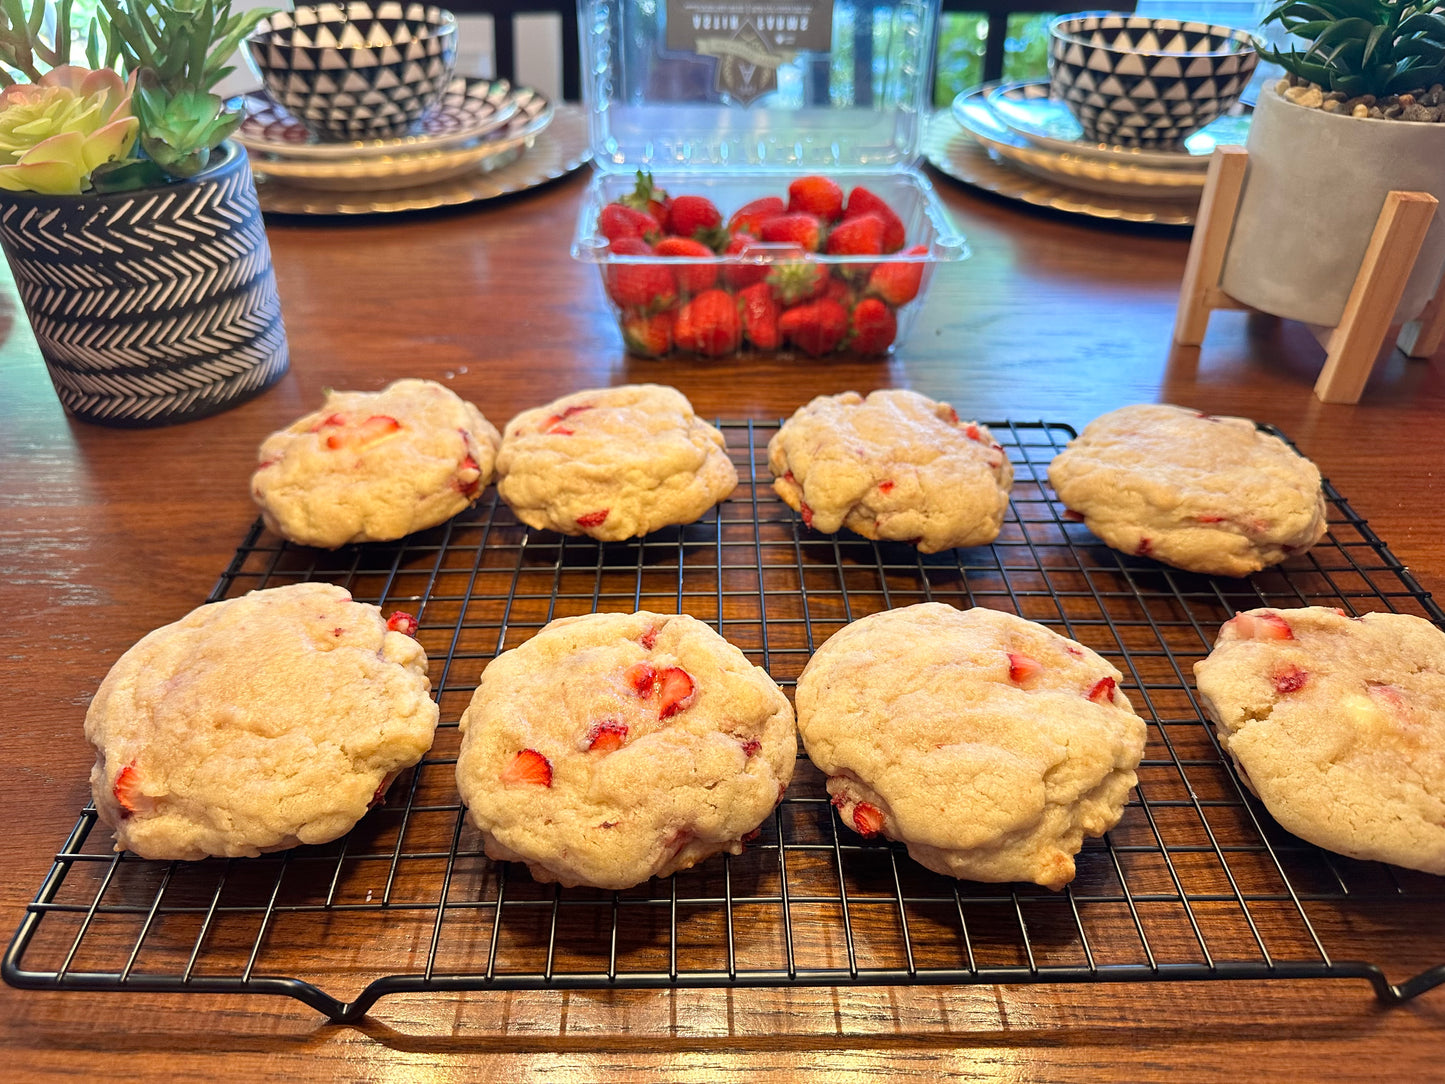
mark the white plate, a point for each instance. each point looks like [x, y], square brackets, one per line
[1111, 178]
[469, 109]
[1047, 123]
[498, 148]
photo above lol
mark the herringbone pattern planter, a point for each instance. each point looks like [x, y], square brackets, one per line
[150, 307]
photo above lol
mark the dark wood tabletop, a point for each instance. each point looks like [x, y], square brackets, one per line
[108, 534]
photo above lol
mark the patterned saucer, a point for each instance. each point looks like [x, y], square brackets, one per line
[1028, 109]
[469, 109]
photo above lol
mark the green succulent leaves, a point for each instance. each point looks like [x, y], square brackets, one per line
[1360, 47]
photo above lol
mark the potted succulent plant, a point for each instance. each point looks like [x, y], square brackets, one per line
[1360, 112]
[130, 222]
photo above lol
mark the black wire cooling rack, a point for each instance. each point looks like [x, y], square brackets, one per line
[1196, 882]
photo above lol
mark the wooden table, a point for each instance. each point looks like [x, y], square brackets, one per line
[109, 533]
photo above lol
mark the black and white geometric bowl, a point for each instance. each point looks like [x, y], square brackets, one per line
[356, 70]
[1136, 81]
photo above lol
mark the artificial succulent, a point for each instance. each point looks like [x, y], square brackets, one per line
[1360, 47]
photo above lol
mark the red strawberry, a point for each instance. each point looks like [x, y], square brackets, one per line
[676, 691]
[818, 196]
[874, 327]
[867, 819]
[617, 220]
[737, 273]
[1290, 680]
[692, 278]
[329, 421]
[885, 486]
[860, 236]
[797, 280]
[806, 512]
[373, 430]
[798, 228]
[530, 767]
[556, 424]
[752, 747]
[760, 316]
[816, 327]
[469, 476]
[402, 622]
[748, 218]
[1022, 667]
[1103, 691]
[648, 286]
[607, 736]
[708, 324]
[690, 215]
[898, 283]
[649, 638]
[1259, 626]
[861, 201]
[647, 197]
[127, 791]
[593, 519]
[648, 336]
[642, 677]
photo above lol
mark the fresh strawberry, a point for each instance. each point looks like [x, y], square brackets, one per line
[402, 622]
[1102, 691]
[860, 236]
[648, 336]
[1290, 680]
[737, 273]
[606, 736]
[373, 430]
[530, 767]
[867, 819]
[748, 218]
[874, 327]
[642, 677]
[676, 690]
[1259, 626]
[1023, 667]
[593, 519]
[816, 327]
[817, 196]
[798, 228]
[797, 280]
[617, 220]
[708, 324]
[898, 283]
[692, 215]
[692, 277]
[647, 197]
[127, 791]
[861, 202]
[646, 286]
[760, 316]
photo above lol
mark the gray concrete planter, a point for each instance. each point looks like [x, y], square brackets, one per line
[1315, 186]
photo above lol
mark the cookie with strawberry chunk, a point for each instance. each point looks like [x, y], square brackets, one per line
[1337, 724]
[258, 723]
[610, 748]
[1197, 491]
[896, 466]
[374, 466]
[988, 744]
[613, 463]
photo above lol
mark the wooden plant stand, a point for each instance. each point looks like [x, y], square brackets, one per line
[1351, 347]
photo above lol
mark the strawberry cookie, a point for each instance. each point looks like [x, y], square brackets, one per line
[613, 463]
[257, 723]
[374, 466]
[1337, 724]
[895, 466]
[611, 748]
[988, 744]
[1198, 491]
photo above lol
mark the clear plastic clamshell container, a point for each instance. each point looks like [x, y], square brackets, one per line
[734, 100]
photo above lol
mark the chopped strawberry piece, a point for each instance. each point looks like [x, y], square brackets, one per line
[1072, 516]
[530, 767]
[839, 800]
[642, 677]
[807, 514]
[1074, 650]
[649, 638]
[1146, 546]
[378, 797]
[330, 420]
[752, 747]
[867, 819]
[748, 837]
[1022, 667]
[972, 432]
[1290, 680]
[1391, 694]
[372, 431]
[677, 690]
[885, 486]
[127, 790]
[788, 477]
[1259, 626]
[337, 631]
[607, 736]
[1209, 519]
[554, 424]
[593, 519]
[1103, 691]
[402, 622]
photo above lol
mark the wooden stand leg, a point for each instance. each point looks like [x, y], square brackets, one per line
[1389, 259]
[1421, 337]
[1199, 293]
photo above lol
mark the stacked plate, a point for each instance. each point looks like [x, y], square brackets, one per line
[480, 125]
[1022, 127]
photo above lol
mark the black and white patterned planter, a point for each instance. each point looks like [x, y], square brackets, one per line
[150, 307]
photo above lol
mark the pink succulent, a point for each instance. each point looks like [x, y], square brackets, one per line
[55, 132]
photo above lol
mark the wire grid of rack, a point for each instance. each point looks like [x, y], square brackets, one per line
[1196, 882]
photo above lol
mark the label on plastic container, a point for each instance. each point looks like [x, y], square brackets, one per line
[749, 38]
